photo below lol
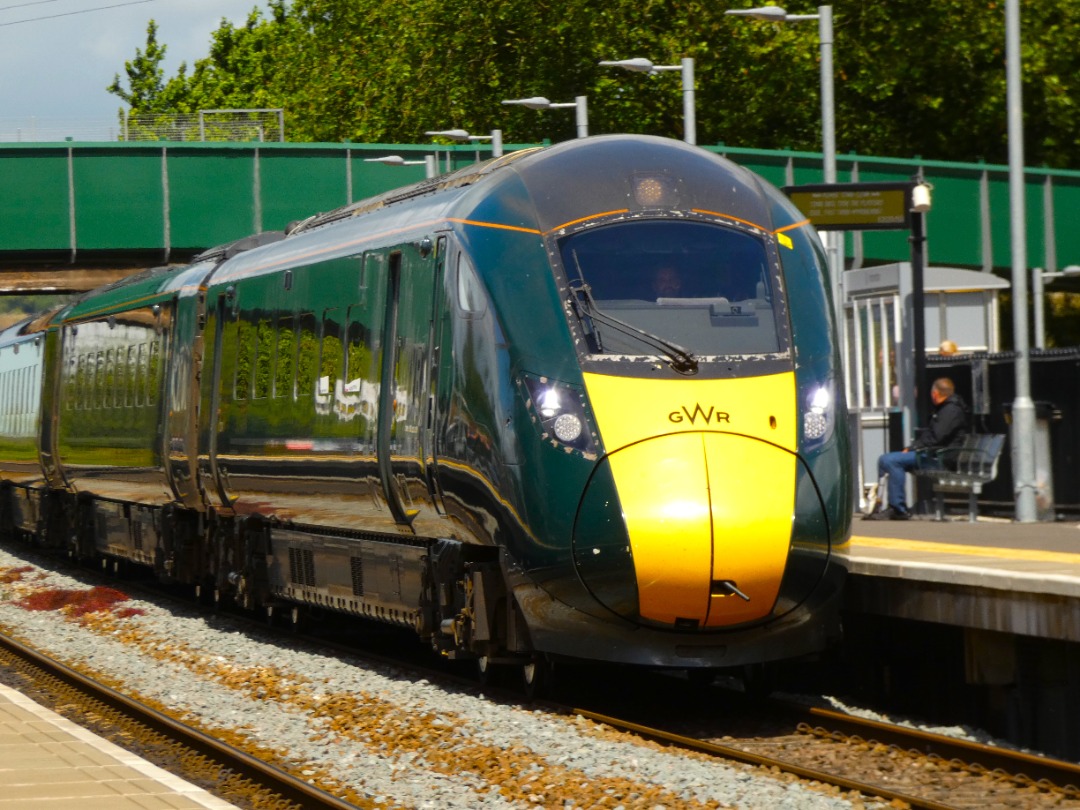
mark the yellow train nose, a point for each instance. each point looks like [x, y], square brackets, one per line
[709, 517]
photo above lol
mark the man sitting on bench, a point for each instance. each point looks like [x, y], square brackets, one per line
[948, 423]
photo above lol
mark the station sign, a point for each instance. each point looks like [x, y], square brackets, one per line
[854, 206]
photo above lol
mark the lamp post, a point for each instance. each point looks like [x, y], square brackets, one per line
[397, 160]
[920, 205]
[828, 119]
[1038, 289]
[686, 67]
[462, 135]
[541, 103]
[825, 35]
[1023, 409]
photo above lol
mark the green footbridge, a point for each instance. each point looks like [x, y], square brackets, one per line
[74, 215]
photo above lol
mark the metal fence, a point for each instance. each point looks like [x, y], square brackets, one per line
[245, 126]
[47, 130]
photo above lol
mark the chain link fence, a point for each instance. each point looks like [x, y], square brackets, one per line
[244, 126]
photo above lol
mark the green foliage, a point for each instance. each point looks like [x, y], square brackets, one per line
[145, 90]
[912, 77]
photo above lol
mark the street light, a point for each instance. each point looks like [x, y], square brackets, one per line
[828, 119]
[541, 103]
[641, 65]
[397, 160]
[1023, 408]
[462, 135]
[1038, 276]
[825, 35]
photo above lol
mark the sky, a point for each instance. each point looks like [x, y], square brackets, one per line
[58, 56]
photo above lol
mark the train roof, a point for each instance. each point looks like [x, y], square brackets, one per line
[28, 327]
[462, 177]
[587, 174]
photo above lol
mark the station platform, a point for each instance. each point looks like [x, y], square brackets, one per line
[996, 575]
[46, 762]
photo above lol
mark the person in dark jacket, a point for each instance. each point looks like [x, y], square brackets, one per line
[948, 424]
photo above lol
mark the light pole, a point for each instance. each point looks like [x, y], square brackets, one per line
[828, 121]
[825, 35]
[1023, 409]
[1038, 277]
[642, 65]
[397, 160]
[541, 103]
[461, 135]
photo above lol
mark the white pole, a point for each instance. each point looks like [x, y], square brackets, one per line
[1023, 411]
[582, 115]
[689, 117]
[1037, 292]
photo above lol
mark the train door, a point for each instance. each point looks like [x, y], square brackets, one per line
[219, 320]
[404, 439]
[184, 367]
[439, 341]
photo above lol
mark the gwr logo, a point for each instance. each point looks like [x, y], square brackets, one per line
[710, 416]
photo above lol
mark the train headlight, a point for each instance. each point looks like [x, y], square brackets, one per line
[559, 411]
[653, 190]
[549, 404]
[820, 413]
[567, 427]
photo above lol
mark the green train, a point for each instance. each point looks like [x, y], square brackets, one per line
[579, 402]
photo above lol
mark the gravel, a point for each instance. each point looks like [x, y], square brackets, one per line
[366, 731]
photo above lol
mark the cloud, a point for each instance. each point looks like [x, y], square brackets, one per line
[57, 67]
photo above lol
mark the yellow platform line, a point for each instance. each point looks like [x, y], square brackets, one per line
[1033, 555]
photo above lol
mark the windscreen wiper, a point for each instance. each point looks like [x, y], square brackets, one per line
[681, 360]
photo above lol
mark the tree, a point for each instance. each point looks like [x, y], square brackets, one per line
[145, 76]
[913, 77]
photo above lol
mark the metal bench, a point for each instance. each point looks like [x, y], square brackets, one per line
[964, 467]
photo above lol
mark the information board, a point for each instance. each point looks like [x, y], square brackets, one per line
[854, 206]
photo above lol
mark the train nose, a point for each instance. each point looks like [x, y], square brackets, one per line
[708, 517]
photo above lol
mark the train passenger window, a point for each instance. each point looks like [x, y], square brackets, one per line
[140, 374]
[120, 378]
[153, 372]
[358, 359]
[71, 385]
[331, 355]
[129, 392]
[91, 376]
[285, 369]
[82, 386]
[307, 360]
[99, 380]
[110, 380]
[264, 358]
[470, 293]
[245, 359]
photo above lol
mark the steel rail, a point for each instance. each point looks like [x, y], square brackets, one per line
[274, 779]
[1019, 765]
[865, 788]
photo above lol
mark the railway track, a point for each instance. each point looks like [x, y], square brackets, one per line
[904, 766]
[901, 766]
[229, 772]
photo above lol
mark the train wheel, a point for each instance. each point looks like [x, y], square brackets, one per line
[486, 671]
[296, 619]
[537, 676]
